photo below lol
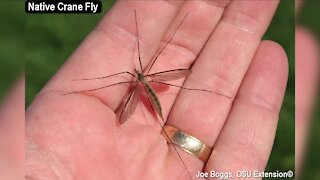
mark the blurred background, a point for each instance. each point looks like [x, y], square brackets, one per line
[12, 99]
[50, 39]
[308, 17]
[11, 44]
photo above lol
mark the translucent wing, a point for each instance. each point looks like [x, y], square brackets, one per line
[170, 75]
[129, 105]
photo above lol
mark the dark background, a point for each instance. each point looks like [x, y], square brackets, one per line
[11, 44]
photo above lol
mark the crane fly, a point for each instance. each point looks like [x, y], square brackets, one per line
[144, 78]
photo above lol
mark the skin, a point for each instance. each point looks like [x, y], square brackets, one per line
[79, 137]
[306, 89]
[307, 77]
[12, 117]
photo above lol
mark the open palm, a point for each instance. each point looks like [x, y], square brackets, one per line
[78, 136]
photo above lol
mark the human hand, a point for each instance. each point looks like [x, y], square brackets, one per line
[78, 136]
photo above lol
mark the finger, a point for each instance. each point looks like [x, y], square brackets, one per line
[109, 48]
[201, 17]
[246, 140]
[221, 67]
[12, 132]
[307, 69]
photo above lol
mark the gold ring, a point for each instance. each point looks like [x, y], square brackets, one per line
[186, 142]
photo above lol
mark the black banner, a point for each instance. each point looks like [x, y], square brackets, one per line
[63, 6]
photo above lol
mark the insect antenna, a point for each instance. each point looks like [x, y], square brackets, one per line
[138, 43]
[161, 50]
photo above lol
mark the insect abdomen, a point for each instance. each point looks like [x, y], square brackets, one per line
[154, 100]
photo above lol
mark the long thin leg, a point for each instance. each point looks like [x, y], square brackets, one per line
[124, 72]
[161, 50]
[125, 82]
[175, 149]
[172, 70]
[192, 89]
[135, 16]
[171, 142]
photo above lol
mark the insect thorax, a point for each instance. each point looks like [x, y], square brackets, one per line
[140, 76]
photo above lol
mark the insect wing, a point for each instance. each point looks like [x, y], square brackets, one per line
[130, 105]
[170, 75]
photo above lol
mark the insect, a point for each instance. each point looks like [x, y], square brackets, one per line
[143, 78]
